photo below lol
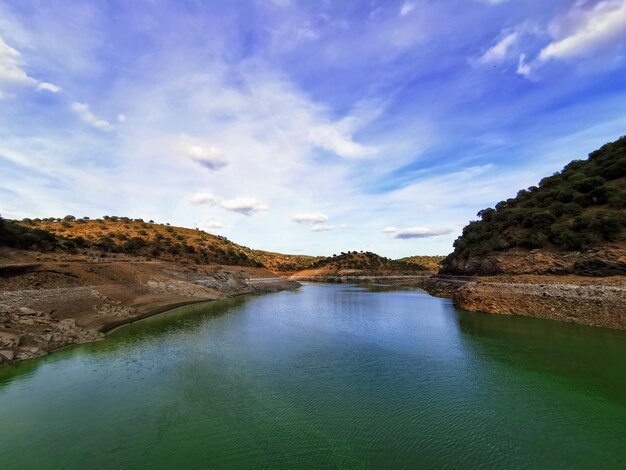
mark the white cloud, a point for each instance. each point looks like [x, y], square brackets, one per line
[204, 199]
[588, 29]
[240, 205]
[602, 25]
[11, 71]
[309, 218]
[52, 88]
[499, 52]
[244, 205]
[390, 230]
[201, 152]
[85, 114]
[337, 139]
[406, 8]
[211, 225]
[121, 118]
[421, 232]
[322, 228]
[522, 67]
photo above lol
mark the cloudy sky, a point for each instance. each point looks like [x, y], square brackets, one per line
[302, 126]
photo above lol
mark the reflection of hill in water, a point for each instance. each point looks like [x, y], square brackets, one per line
[587, 358]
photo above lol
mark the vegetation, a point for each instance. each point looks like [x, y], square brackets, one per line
[580, 207]
[365, 261]
[123, 235]
[429, 263]
[280, 263]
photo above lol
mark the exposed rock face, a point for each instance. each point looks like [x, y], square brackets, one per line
[597, 305]
[605, 261]
[589, 301]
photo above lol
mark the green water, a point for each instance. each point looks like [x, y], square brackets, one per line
[330, 376]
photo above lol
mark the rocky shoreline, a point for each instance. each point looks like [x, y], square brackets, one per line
[597, 302]
[59, 301]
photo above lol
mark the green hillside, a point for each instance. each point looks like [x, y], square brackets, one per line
[581, 207]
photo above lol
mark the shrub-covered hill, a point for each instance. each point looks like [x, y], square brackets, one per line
[580, 209]
[123, 235]
[281, 263]
[355, 263]
[430, 263]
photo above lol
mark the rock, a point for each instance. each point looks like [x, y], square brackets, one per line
[8, 355]
[27, 321]
[27, 311]
[9, 339]
[46, 338]
[67, 324]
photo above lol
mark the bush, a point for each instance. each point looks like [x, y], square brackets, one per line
[570, 240]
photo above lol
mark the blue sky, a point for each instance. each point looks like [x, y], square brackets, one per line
[299, 126]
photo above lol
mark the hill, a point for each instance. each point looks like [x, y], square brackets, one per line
[358, 263]
[428, 263]
[571, 222]
[284, 264]
[135, 237]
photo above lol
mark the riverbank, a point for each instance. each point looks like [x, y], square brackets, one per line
[48, 302]
[597, 302]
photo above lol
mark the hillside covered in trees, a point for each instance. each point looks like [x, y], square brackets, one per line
[579, 209]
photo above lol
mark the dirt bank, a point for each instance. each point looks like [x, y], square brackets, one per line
[50, 301]
[589, 301]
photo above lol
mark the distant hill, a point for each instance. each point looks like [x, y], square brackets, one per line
[358, 263]
[573, 221]
[282, 263]
[136, 237]
[429, 263]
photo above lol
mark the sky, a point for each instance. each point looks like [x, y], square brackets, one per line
[302, 126]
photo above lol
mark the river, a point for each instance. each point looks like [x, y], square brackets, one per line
[328, 376]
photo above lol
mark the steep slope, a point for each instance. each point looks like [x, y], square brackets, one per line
[572, 222]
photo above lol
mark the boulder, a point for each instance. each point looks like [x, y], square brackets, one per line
[8, 355]
[9, 339]
[28, 311]
[66, 324]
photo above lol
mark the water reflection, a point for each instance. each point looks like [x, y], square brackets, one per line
[588, 358]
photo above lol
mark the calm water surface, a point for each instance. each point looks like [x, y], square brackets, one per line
[329, 376]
